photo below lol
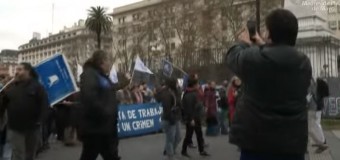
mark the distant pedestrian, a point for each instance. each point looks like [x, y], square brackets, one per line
[317, 92]
[193, 113]
[234, 92]
[171, 117]
[210, 101]
[98, 128]
[25, 102]
[223, 108]
[270, 122]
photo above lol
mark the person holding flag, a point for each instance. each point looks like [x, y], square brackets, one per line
[98, 128]
[25, 111]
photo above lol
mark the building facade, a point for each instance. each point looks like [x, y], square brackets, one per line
[8, 62]
[187, 32]
[77, 43]
[317, 40]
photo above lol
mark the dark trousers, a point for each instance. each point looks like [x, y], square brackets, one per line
[188, 136]
[24, 144]
[94, 145]
[258, 156]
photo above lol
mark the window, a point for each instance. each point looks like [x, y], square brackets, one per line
[121, 20]
[332, 9]
[137, 28]
[173, 34]
[173, 46]
[187, 5]
[333, 25]
[136, 16]
[173, 21]
[169, 10]
[151, 13]
[208, 2]
[122, 30]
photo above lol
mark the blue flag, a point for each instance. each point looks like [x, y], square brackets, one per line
[167, 68]
[185, 81]
[56, 77]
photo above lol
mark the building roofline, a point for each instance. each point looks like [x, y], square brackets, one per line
[135, 6]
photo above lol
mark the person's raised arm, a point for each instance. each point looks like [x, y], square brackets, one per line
[238, 54]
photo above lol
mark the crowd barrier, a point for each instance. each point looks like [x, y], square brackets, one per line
[332, 107]
[139, 119]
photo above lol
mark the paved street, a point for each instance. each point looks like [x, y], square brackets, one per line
[148, 148]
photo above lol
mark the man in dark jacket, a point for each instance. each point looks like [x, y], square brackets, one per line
[271, 115]
[25, 101]
[193, 113]
[99, 118]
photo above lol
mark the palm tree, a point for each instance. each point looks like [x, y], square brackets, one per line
[98, 21]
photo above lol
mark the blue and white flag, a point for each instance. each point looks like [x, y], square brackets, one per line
[140, 66]
[113, 75]
[167, 68]
[56, 76]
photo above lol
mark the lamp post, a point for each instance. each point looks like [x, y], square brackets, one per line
[258, 15]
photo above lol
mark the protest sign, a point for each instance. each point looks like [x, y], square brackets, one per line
[56, 76]
[139, 119]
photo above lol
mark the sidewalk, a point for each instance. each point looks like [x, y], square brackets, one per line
[333, 140]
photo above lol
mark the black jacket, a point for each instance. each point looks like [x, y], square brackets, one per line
[98, 102]
[271, 115]
[322, 92]
[171, 105]
[192, 107]
[25, 102]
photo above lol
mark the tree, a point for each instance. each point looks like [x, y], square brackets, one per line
[99, 22]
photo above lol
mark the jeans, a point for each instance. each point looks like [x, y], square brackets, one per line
[315, 128]
[172, 137]
[263, 156]
[6, 152]
[24, 144]
[223, 121]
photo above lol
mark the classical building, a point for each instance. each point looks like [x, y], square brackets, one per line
[8, 62]
[184, 31]
[316, 39]
[77, 43]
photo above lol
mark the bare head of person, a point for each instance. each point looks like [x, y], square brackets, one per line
[25, 71]
[101, 61]
[212, 84]
[281, 28]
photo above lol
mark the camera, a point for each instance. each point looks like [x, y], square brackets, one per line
[251, 25]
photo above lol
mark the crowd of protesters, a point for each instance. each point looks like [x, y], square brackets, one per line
[270, 93]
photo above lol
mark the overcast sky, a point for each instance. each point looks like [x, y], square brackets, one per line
[20, 18]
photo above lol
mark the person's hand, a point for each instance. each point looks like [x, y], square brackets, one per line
[192, 123]
[67, 103]
[258, 39]
[128, 76]
[243, 36]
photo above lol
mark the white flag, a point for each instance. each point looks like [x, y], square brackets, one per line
[139, 66]
[113, 75]
[79, 71]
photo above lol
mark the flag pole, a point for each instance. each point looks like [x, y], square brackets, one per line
[133, 73]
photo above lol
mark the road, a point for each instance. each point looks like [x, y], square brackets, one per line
[148, 148]
[151, 148]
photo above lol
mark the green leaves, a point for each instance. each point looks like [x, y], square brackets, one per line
[98, 22]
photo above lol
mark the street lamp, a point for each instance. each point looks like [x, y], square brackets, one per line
[258, 15]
